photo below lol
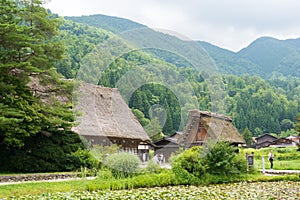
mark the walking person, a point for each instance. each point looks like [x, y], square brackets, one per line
[271, 158]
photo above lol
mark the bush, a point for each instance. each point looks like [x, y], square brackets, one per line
[100, 152]
[122, 164]
[189, 166]
[81, 158]
[196, 165]
[152, 166]
[222, 159]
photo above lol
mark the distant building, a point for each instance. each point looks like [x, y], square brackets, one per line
[106, 119]
[167, 145]
[203, 126]
[295, 139]
[283, 142]
[264, 141]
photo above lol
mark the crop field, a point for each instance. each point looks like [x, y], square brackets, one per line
[244, 190]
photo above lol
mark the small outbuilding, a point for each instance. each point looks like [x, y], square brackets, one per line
[167, 145]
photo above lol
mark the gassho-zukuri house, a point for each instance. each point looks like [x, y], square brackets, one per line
[106, 119]
[203, 126]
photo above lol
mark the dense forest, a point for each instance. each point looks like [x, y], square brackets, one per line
[39, 50]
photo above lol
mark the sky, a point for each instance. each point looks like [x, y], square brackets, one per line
[230, 24]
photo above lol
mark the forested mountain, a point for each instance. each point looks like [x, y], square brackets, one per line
[262, 105]
[274, 56]
[264, 57]
[113, 24]
[229, 62]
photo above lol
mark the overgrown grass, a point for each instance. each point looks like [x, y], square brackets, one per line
[41, 187]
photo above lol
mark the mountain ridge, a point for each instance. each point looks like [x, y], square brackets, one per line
[264, 57]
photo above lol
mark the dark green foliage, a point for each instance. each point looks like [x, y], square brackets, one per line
[122, 164]
[79, 40]
[48, 152]
[35, 123]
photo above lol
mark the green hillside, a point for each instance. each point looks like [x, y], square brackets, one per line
[273, 55]
[113, 24]
[229, 62]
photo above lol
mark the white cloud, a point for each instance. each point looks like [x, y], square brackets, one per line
[231, 24]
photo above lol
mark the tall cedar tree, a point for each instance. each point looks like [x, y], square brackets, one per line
[28, 47]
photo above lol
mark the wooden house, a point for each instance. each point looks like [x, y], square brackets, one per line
[203, 126]
[106, 119]
[295, 139]
[264, 140]
[167, 145]
[282, 142]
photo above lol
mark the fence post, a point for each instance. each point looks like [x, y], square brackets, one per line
[263, 164]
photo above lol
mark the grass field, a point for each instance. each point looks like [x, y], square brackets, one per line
[285, 158]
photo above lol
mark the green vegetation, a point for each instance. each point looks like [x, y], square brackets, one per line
[202, 165]
[285, 158]
[105, 183]
[298, 130]
[278, 190]
[210, 167]
[122, 164]
[35, 124]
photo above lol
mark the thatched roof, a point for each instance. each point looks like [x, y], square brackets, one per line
[217, 127]
[105, 113]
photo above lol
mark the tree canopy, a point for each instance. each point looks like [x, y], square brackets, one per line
[33, 122]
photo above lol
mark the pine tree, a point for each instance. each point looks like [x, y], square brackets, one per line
[27, 121]
[247, 135]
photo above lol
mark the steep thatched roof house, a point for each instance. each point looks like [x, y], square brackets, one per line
[203, 125]
[106, 118]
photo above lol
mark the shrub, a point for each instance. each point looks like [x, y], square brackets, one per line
[82, 158]
[122, 164]
[100, 152]
[222, 159]
[152, 166]
[189, 166]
